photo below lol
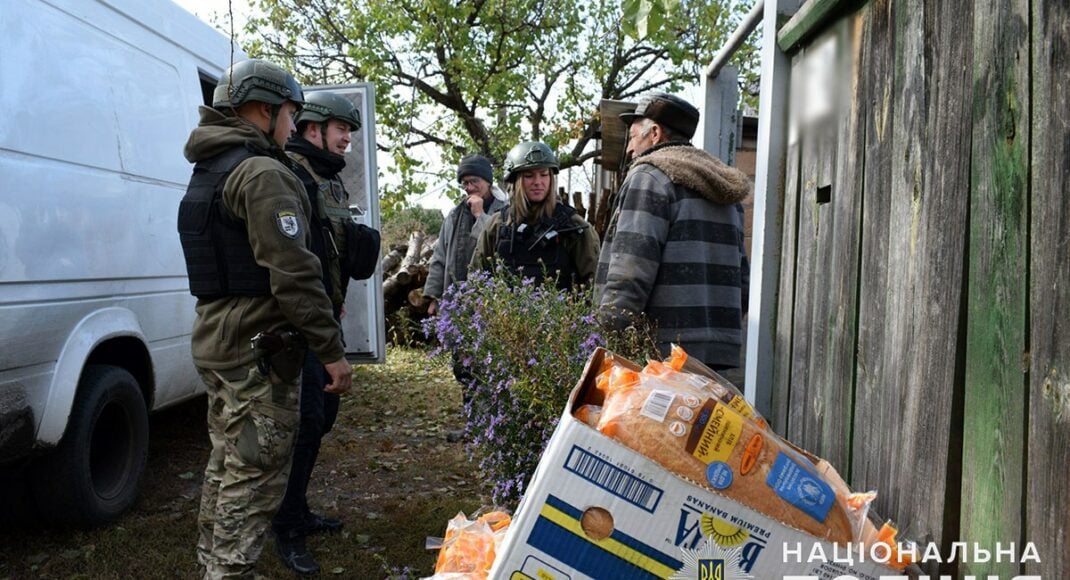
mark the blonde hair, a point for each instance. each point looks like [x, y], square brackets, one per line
[522, 210]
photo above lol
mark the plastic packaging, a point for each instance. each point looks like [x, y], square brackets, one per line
[470, 545]
[681, 421]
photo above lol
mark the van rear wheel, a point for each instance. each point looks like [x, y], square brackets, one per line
[94, 474]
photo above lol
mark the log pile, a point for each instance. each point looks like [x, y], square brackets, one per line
[404, 274]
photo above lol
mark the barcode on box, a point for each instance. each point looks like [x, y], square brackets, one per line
[657, 405]
[613, 479]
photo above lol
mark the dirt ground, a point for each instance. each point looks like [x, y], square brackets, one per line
[386, 469]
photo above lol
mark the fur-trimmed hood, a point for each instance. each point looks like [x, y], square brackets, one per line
[693, 168]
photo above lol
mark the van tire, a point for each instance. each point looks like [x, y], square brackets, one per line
[93, 476]
[16, 502]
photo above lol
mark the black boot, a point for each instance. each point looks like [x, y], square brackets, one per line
[295, 554]
[317, 524]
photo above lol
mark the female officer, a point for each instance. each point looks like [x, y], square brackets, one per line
[536, 236]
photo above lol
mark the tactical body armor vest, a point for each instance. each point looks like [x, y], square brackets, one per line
[330, 210]
[538, 250]
[219, 259]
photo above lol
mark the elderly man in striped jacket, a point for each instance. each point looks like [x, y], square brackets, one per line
[674, 248]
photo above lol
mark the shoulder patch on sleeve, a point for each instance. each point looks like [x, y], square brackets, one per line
[288, 223]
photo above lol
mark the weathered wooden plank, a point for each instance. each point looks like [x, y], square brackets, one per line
[781, 387]
[817, 404]
[836, 312]
[816, 413]
[1047, 503]
[995, 388]
[802, 394]
[613, 131]
[908, 471]
[876, 420]
[930, 445]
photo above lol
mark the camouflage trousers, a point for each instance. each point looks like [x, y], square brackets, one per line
[252, 423]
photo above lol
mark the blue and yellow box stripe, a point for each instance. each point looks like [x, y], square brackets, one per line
[557, 533]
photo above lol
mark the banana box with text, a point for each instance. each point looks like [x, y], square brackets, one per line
[597, 509]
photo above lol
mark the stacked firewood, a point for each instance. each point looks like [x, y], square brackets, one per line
[404, 274]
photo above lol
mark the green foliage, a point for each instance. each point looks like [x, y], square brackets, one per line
[644, 17]
[525, 346]
[397, 224]
[481, 75]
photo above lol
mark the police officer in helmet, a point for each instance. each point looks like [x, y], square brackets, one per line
[244, 227]
[537, 236]
[323, 135]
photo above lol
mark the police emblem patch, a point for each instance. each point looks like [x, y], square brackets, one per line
[288, 223]
[711, 562]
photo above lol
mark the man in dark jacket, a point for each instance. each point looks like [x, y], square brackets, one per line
[324, 126]
[459, 234]
[244, 229]
[674, 247]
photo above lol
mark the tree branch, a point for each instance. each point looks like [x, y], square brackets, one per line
[575, 161]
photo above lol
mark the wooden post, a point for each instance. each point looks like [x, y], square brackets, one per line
[769, 176]
[604, 211]
[577, 202]
[995, 420]
[1047, 510]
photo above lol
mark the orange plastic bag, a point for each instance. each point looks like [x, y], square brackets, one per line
[470, 546]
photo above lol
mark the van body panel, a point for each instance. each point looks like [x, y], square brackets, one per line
[103, 96]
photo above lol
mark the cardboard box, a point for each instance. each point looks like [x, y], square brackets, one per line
[587, 486]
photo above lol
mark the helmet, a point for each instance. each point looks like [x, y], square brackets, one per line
[528, 155]
[323, 105]
[256, 80]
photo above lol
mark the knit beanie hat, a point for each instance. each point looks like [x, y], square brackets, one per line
[475, 165]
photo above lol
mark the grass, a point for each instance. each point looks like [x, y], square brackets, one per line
[386, 469]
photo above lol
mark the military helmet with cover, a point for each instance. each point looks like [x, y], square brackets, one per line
[323, 105]
[529, 155]
[256, 80]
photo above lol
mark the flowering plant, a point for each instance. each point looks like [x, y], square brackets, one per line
[519, 348]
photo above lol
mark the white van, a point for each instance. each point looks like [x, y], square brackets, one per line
[99, 97]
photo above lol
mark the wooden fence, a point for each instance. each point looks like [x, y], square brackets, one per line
[923, 320]
[597, 209]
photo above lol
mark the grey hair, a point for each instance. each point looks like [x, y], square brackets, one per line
[646, 124]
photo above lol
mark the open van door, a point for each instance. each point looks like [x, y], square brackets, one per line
[364, 326]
